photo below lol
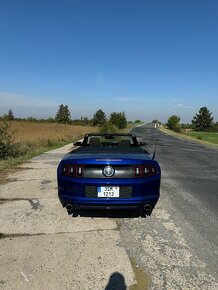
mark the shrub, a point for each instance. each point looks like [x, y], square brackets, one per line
[118, 119]
[215, 128]
[108, 127]
[173, 123]
[7, 146]
[177, 129]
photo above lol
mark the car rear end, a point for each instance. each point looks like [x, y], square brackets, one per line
[109, 183]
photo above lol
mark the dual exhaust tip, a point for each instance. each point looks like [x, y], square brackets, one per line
[71, 210]
[148, 208]
[69, 206]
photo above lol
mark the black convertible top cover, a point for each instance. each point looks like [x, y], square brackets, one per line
[108, 150]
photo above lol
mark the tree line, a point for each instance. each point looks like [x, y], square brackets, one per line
[99, 118]
[63, 115]
[201, 122]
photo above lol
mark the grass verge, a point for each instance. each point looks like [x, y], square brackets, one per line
[13, 162]
[204, 138]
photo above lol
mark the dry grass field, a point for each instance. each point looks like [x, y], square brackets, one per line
[37, 134]
[34, 138]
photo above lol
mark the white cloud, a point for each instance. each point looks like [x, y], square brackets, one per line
[138, 99]
[25, 106]
[176, 100]
[183, 106]
[126, 99]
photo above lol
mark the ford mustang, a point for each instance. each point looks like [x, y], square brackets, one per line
[109, 171]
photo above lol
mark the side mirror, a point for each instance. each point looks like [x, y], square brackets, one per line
[78, 143]
[142, 143]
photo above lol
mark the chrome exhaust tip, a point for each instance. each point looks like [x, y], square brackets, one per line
[148, 208]
[69, 206]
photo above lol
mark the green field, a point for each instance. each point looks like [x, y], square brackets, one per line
[204, 136]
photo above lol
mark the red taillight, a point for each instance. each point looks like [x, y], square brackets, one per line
[72, 170]
[147, 170]
[152, 170]
[65, 170]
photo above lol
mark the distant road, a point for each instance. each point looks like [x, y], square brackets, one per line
[190, 186]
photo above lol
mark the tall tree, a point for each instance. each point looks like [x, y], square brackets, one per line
[173, 123]
[10, 115]
[63, 114]
[99, 118]
[203, 120]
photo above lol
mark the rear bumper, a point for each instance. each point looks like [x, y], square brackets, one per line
[144, 191]
[107, 203]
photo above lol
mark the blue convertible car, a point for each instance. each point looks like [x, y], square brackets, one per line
[109, 171]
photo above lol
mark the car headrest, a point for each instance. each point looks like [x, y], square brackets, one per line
[125, 143]
[94, 141]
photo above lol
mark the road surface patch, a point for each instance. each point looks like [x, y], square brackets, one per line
[81, 260]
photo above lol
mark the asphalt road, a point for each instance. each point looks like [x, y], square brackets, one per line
[182, 232]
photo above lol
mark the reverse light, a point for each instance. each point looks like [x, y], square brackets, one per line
[138, 170]
[71, 170]
[79, 170]
[65, 170]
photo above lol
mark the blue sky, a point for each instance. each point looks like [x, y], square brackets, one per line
[150, 58]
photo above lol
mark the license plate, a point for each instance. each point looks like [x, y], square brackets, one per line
[108, 191]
